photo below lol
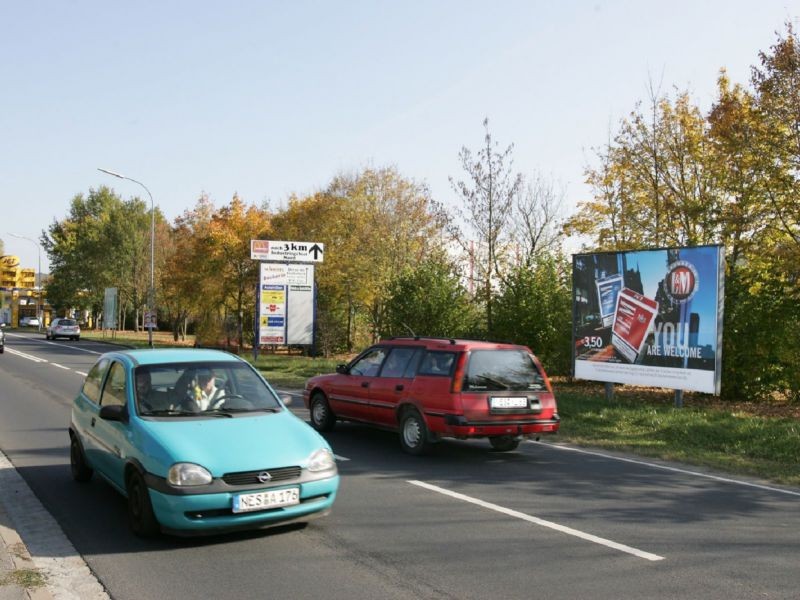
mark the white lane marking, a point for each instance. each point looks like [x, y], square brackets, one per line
[36, 359]
[535, 520]
[25, 337]
[666, 468]
[26, 356]
[70, 347]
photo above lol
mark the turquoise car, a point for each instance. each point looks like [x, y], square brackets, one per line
[198, 442]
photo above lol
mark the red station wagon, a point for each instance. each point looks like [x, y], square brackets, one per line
[432, 388]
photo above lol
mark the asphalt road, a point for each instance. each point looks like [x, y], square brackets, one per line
[546, 521]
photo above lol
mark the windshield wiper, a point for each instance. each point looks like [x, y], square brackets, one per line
[218, 412]
[170, 412]
[272, 409]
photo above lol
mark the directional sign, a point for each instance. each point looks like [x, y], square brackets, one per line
[280, 251]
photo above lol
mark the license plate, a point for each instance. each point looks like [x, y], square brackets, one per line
[508, 402]
[265, 500]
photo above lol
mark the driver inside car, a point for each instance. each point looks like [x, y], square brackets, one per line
[205, 392]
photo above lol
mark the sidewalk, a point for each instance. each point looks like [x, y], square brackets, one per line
[19, 577]
[37, 560]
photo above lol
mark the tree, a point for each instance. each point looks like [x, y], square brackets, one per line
[430, 299]
[777, 86]
[536, 220]
[535, 309]
[98, 245]
[488, 199]
[375, 224]
[233, 275]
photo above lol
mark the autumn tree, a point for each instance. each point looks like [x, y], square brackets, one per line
[231, 275]
[375, 224]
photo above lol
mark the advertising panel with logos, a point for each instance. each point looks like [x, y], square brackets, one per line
[649, 317]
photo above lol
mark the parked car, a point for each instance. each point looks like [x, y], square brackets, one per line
[198, 442]
[29, 322]
[2, 338]
[431, 388]
[62, 327]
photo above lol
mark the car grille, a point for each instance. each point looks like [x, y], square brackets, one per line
[251, 477]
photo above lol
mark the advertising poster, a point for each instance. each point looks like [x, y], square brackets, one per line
[286, 304]
[650, 317]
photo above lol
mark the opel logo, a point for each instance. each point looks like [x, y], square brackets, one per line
[264, 476]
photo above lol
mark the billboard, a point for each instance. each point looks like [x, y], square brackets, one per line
[649, 317]
[110, 297]
[286, 304]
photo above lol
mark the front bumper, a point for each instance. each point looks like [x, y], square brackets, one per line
[195, 514]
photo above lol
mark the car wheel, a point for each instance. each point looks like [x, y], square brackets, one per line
[141, 518]
[322, 417]
[413, 433]
[504, 443]
[77, 461]
[47, 336]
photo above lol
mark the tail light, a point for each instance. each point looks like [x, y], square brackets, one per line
[544, 374]
[458, 376]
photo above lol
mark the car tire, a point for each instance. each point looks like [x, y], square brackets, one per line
[504, 443]
[81, 471]
[141, 518]
[321, 415]
[413, 433]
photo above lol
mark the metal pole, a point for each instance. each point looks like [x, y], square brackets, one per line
[151, 294]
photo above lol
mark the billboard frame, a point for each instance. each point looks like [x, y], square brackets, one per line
[668, 331]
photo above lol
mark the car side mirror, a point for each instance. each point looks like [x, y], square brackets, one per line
[342, 369]
[114, 412]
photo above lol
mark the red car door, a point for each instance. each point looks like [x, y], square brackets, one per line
[349, 393]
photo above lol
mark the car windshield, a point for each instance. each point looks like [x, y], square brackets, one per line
[495, 370]
[66, 323]
[209, 389]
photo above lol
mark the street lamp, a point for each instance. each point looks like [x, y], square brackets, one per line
[152, 293]
[39, 314]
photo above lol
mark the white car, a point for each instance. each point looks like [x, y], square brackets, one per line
[29, 322]
[63, 327]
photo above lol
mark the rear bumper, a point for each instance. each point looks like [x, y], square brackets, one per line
[459, 426]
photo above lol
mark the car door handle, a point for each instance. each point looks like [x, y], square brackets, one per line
[399, 387]
[365, 384]
[93, 421]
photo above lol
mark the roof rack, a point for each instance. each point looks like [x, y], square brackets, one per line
[423, 337]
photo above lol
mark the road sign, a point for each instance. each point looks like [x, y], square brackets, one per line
[281, 251]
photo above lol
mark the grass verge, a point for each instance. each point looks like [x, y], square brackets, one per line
[715, 436]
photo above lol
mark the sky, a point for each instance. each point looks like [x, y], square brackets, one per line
[268, 99]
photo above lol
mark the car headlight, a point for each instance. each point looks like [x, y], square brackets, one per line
[185, 474]
[321, 460]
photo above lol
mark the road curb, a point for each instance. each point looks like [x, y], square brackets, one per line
[34, 539]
